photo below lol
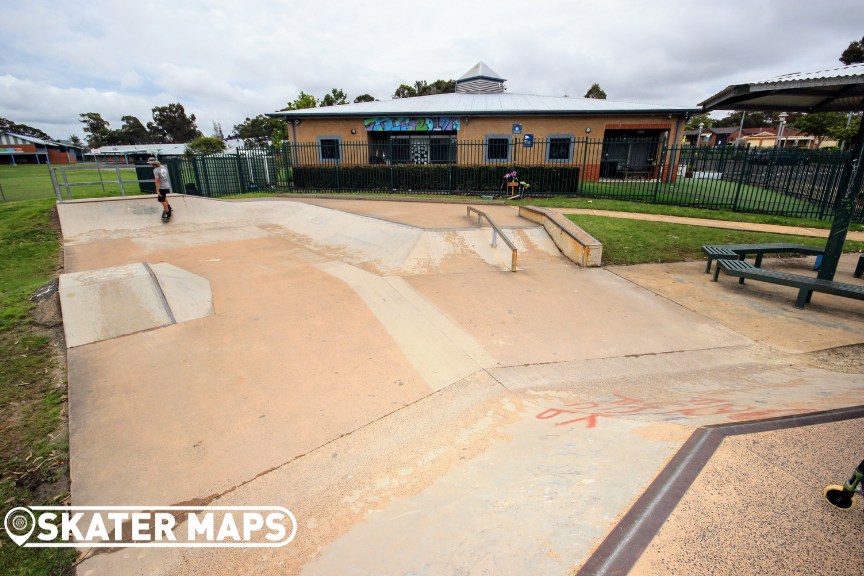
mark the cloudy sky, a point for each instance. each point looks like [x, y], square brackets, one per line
[228, 60]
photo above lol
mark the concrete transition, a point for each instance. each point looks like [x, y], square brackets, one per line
[375, 368]
[110, 302]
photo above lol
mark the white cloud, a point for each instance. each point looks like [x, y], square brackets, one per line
[225, 60]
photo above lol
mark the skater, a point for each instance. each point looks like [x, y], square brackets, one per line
[163, 186]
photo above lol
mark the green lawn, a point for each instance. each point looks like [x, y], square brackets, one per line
[646, 208]
[34, 449]
[637, 241]
[31, 181]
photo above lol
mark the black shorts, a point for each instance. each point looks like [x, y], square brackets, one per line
[163, 192]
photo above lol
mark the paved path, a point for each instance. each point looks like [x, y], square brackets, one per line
[376, 369]
[726, 224]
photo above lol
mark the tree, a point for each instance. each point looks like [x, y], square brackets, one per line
[423, 88]
[76, 141]
[820, 124]
[170, 124]
[364, 98]
[205, 145]
[595, 92]
[444, 86]
[405, 91]
[260, 130]
[854, 53]
[22, 129]
[694, 121]
[302, 101]
[217, 131]
[96, 129]
[133, 132]
[334, 98]
[848, 133]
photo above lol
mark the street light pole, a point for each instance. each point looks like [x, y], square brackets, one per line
[783, 117]
[699, 135]
[740, 128]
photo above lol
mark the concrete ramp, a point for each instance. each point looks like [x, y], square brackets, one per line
[111, 302]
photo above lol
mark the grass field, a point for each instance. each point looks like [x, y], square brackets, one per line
[30, 181]
[637, 241]
[33, 441]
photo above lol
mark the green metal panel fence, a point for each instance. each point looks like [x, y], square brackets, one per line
[789, 182]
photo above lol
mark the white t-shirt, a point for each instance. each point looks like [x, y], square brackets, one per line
[161, 173]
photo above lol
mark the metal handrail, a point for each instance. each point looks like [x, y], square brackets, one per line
[496, 231]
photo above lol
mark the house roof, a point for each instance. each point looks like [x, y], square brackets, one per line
[723, 129]
[481, 70]
[156, 149]
[31, 139]
[836, 89]
[500, 104]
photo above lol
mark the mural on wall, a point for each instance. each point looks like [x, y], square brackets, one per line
[428, 124]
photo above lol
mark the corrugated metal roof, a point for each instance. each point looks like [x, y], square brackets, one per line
[850, 72]
[481, 70]
[483, 105]
[837, 89]
[31, 139]
[156, 149]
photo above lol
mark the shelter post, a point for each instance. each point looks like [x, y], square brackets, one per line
[850, 184]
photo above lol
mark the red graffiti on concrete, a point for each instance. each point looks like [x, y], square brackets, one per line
[589, 412]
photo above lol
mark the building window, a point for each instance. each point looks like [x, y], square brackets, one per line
[442, 150]
[329, 148]
[497, 148]
[559, 148]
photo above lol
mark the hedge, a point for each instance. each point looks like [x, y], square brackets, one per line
[443, 178]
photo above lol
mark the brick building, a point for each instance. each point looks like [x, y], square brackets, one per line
[499, 123]
[19, 149]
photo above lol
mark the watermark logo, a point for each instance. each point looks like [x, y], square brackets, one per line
[150, 527]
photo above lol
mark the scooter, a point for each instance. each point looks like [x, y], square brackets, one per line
[841, 496]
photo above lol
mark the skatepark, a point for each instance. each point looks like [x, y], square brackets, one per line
[378, 369]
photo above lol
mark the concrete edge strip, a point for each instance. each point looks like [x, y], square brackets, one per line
[161, 292]
[631, 536]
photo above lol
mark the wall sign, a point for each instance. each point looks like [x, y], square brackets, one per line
[426, 124]
[528, 141]
[517, 128]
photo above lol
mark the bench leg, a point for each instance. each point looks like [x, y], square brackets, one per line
[859, 269]
[708, 266]
[741, 280]
[758, 262]
[716, 272]
[803, 297]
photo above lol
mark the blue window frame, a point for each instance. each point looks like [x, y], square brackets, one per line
[559, 148]
[497, 148]
[329, 148]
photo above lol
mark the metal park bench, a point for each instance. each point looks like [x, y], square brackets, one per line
[806, 285]
[740, 251]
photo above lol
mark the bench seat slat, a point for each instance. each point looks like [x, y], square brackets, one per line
[805, 284]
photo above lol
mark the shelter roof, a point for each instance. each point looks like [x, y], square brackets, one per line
[836, 89]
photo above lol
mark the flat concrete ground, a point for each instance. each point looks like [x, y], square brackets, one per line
[374, 368]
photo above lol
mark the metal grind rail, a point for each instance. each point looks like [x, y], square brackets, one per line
[496, 231]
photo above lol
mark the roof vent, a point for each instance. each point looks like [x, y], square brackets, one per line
[480, 80]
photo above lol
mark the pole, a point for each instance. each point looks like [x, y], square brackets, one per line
[850, 182]
[740, 128]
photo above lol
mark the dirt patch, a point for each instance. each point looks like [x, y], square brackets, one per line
[848, 359]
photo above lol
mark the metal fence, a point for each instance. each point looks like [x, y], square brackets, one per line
[789, 182]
